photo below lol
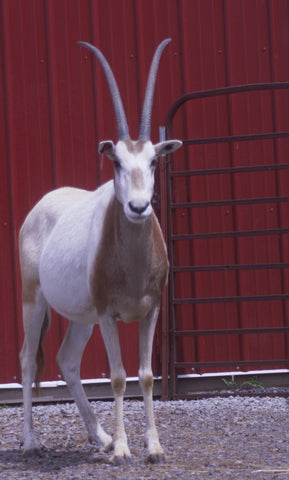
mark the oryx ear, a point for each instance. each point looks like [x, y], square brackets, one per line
[169, 146]
[107, 148]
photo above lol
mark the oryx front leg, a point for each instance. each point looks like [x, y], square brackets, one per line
[147, 329]
[110, 336]
[69, 360]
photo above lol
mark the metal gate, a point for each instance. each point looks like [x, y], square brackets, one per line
[227, 219]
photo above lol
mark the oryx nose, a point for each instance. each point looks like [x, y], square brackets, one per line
[138, 208]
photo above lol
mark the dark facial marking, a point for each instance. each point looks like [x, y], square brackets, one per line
[137, 179]
[134, 147]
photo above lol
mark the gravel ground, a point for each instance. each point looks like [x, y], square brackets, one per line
[220, 438]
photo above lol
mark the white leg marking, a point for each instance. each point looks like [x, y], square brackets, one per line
[147, 329]
[69, 360]
[110, 336]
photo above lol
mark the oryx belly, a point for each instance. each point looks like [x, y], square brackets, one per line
[64, 261]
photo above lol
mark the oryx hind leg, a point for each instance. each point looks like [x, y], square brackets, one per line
[36, 319]
[69, 360]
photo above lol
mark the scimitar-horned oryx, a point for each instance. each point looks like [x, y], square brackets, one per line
[98, 257]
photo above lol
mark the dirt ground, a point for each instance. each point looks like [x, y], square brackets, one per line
[233, 438]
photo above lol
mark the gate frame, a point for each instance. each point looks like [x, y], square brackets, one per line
[169, 332]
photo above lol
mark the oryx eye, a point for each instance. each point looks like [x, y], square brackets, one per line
[154, 163]
[117, 165]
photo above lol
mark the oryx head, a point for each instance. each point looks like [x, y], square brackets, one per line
[134, 161]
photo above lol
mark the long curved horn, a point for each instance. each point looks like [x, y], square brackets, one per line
[122, 126]
[145, 126]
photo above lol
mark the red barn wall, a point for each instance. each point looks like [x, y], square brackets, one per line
[55, 108]
[247, 43]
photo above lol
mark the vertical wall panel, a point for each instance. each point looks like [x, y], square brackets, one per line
[56, 108]
[232, 43]
[8, 300]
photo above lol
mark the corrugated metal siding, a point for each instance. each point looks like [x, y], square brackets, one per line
[234, 43]
[54, 110]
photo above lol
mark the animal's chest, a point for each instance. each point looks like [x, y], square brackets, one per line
[130, 267]
[126, 294]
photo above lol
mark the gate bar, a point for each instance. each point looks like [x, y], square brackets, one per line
[169, 340]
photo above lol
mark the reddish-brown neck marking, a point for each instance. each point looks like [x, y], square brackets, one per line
[131, 260]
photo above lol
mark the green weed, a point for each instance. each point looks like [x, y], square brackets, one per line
[236, 383]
